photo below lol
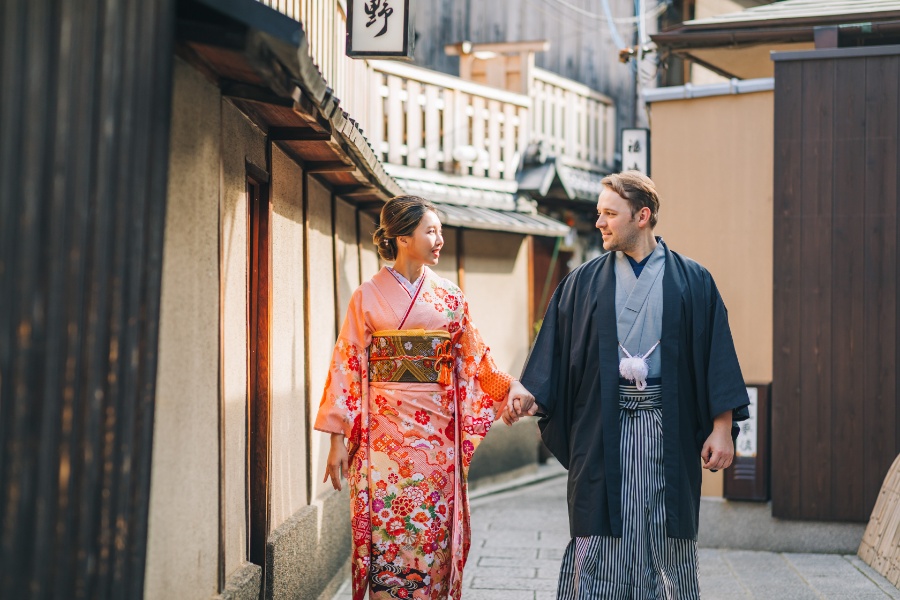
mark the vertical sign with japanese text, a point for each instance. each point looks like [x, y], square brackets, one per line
[746, 441]
[380, 29]
[636, 150]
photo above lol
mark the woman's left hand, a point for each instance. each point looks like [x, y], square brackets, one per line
[520, 402]
[338, 460]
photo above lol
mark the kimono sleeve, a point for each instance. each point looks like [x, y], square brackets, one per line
[482, 387]
[544, 376]
[346, 388]
[539, 375]
[725, 383]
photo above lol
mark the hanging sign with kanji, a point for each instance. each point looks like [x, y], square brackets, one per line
[636, 150]
[380, 29]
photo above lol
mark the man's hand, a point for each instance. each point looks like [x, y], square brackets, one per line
[519, 403]
[718, 450]
[338, 460]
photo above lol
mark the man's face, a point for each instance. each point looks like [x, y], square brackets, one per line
[616, 223]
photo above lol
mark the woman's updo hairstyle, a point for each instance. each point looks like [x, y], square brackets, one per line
[399, 217]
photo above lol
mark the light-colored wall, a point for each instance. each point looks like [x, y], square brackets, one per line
[712, 161]
[182, 544]
[496, 287]
[346, 254]
[241, 141]
[322, 332]
[368, 255]
[447, 265]
[288, 470]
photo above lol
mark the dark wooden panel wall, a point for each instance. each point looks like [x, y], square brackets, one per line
[84, 129]
[835, 423]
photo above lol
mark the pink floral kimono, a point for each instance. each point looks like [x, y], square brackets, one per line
[415, 389]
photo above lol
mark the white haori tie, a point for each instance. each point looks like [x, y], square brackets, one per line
[634, 368]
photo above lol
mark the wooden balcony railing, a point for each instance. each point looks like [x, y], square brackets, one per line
[572, 120]
[422, 118]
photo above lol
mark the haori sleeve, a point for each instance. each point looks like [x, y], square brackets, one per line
[727, 390]
[540, 373]
[346, 388]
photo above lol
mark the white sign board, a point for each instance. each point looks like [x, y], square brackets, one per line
[380, 29]
[746, 441]
[636, 150]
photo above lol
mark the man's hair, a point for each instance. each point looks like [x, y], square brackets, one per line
[637, 189]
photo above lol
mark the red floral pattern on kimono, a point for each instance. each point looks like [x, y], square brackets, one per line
[410, 443]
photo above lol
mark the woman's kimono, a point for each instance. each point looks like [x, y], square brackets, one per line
[410, 443]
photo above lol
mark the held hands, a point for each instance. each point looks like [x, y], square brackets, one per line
[338, 460]
[520, 403]
[718, 450]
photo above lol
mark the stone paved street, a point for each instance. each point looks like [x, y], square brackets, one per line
[518, 538]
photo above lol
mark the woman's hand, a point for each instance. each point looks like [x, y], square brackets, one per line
[338, 460]
[519, 403]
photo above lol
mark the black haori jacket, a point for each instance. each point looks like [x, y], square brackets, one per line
[572, 371]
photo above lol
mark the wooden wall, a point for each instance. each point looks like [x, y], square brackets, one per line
[581, 47]
[835, 423]
[85, 121]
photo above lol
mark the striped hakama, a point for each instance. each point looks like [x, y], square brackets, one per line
[643, 564]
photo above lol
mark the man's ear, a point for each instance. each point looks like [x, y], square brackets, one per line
[645, 215]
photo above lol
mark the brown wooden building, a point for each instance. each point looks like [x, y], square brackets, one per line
[835, 421]
[814, 229]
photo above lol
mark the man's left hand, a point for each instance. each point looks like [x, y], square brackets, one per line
[718, 451]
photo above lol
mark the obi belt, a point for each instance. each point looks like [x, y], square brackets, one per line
[411, 356]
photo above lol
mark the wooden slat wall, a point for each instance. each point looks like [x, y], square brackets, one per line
[83, 167]
[835, 423]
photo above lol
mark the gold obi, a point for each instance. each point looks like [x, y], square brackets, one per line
[411, 356]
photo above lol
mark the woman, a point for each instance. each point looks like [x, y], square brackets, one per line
[412, 390]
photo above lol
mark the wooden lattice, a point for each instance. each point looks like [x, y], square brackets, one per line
[880, 547]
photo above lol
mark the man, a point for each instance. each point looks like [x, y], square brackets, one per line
[637, 382]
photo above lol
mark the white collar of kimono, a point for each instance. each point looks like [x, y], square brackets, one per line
[634, 367]
[410, 286]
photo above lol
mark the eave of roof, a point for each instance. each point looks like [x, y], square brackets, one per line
[785, 22]
[261, 58]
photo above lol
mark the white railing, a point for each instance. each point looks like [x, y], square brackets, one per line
[572, 120]
[423, 118]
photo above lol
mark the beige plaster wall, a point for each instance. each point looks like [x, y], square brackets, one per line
[322, 330]
[368, 255]
[288, 469]
[712, 162]
[447, 265]
[182, 544]
[346, 254]
[496, 287]
[241, 141]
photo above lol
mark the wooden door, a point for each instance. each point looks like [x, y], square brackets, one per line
[258, 341]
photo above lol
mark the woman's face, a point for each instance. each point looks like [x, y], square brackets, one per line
[424, 245]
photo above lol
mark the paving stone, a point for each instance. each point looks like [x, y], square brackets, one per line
[516, 555]
[513, 583]
[477, 594]
[834, 577]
